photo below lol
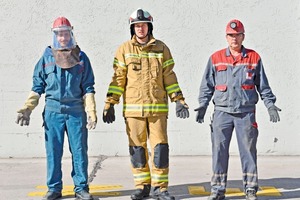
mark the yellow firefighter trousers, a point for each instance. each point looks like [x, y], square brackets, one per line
[138, 131]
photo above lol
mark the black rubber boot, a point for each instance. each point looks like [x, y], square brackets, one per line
[139, 194]
[83, 195]
[52, 195]
[164, 195]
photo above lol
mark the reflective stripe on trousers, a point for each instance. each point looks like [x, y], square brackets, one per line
[138, 131]
[56, 124]
[246, 133]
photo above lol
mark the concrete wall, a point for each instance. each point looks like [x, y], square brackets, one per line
[193, 29]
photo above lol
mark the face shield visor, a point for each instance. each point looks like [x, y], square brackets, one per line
[63, 39]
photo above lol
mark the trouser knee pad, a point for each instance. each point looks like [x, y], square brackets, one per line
[161, 156]
[138, 156]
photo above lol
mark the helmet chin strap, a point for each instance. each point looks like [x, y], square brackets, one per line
[141, 38]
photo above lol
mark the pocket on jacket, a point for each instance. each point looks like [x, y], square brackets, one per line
[131, 92]
[134, 64]
[50, 72]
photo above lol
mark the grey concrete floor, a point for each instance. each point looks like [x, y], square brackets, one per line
[279, 178]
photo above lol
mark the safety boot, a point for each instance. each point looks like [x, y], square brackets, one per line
[83, 195]
[139, 194]
[161, 195]
[216, 196]
[251, 194]
[52, 195]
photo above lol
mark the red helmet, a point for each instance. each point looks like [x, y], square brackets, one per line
[61, 23]
[234, 27]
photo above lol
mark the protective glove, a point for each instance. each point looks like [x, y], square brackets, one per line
[23, 117]
[109, 113]
[31, 102]
[90, 107]
[273, 112]
[200, 115]
[182, 109]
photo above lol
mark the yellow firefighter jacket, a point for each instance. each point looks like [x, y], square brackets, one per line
[144, 75]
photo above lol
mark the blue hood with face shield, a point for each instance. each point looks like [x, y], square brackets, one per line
[57, 46]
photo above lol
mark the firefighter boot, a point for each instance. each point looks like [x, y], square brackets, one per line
[164, 195]
[139, 194]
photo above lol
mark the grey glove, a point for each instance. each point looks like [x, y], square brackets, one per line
[109, 113]
[91, 124]
[23, 117]
[200, 115]
[273, 112]
[182, 109]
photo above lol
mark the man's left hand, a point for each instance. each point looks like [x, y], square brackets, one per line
[273, 112]
[92, 120]
[182, 109]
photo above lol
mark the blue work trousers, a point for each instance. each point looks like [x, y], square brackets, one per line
[246, 133]
[56, 124]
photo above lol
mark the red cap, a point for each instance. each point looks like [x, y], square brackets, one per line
[234, 27]
[61, 22]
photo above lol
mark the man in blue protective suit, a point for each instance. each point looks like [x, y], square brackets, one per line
[65, 75]
[235, 76]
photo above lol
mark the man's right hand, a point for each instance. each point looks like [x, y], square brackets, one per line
[23, 117]
[200, 115]
[109, 113]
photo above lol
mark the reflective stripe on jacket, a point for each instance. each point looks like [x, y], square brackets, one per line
[235, 84]
[64, 88]
[144, 76]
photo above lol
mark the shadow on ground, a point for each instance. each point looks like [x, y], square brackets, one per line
[288, 187]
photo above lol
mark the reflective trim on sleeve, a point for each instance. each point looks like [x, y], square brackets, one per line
[144, 176]
[115, 90]
[160, 178]
[168, 63]
[173, 88]
[146, 107]
[119, 63]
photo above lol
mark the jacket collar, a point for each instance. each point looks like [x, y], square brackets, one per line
[152, 41]
[244, 52]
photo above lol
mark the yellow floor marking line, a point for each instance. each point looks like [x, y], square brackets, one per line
[230, 192]
[92, 187]
[68, 190]
[197, 190]
[268, 191]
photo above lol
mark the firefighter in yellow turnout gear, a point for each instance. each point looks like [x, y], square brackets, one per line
[143, 74]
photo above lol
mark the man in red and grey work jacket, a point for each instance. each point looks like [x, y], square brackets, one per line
[235, 76]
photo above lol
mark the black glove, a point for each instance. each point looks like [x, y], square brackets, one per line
[109, 113]
[273, 112]
[182, 109]
[200, 115]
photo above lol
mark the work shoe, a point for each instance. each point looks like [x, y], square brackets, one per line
[251, 194]
[83, 195]
[52, 195]
[139, 194]
[216, 196]
[164, 195]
